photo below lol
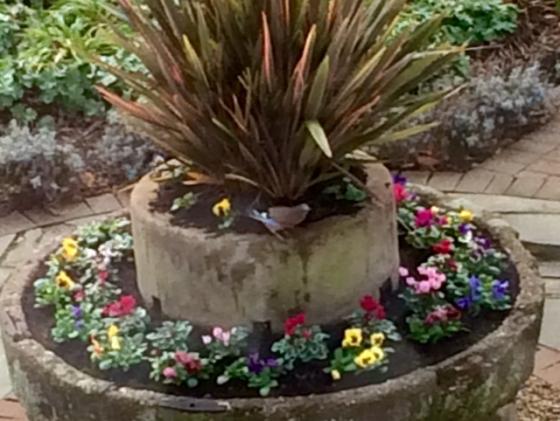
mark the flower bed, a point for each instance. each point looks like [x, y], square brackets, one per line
[455, 289]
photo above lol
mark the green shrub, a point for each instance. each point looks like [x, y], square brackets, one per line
[40, 63]
[467, 21]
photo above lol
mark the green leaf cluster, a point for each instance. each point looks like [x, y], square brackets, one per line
[40, 55]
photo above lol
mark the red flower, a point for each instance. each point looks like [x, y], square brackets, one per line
[191, 362]
[373, 307]
[400, 193]
[123, 307]
[445, 246]
[291, 324]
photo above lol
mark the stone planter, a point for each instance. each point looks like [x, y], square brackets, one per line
[239, 279]
[472, 385]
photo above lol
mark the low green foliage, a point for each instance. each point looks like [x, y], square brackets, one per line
[467, 21]
[39, 63]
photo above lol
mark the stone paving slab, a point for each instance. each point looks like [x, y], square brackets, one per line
[508, 204]
[14, 223]
[5, 242]
[43, 217]
[549, 331]
[537, 229]
[499, 184]
[550, 269]
[550, 189]
[104, 203]
[526, 184]
[475, 181]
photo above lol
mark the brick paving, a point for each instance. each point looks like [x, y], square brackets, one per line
[529, 168]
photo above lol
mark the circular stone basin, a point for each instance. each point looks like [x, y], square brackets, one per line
[471, 385]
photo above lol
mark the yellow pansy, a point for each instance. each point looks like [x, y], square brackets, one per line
[369, 357]
[222, 208]
[378, 352]
[70, 249]
[112, 334]
[466, 215]
[352, 338]
[116, 343]
[113, 331]
[365, 359]
[377, 339]
[64, 281]
[435, 210]
[335, 374]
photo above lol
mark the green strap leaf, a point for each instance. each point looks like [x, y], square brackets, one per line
[319, 136]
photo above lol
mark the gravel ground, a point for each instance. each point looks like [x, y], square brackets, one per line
[539, 401]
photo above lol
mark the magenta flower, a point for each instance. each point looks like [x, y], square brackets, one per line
[424, 218]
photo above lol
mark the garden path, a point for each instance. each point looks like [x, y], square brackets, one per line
[522, 183]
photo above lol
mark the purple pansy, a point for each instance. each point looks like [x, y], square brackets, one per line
[256, 365]
[483, 242]
[464, 229]
[399, 179]
[475, 293]
[76, 312]
[500, 290]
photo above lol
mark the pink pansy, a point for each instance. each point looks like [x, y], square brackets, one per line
[435, 283]
[424, 287]
[431, 281]
[169, 373]
[221, 335]
[403, 271]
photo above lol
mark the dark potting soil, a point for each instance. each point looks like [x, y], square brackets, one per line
[305, 380]
[200, 215]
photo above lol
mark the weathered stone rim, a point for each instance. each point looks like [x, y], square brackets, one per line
[524, 316]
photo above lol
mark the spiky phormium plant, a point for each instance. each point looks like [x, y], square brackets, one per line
[275, 94]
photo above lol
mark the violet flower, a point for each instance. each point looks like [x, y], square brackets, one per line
[499, 290]
[474, 294]
[76, 312]
[399, 179]
[256, 365]
[464, 229]
[483, 242]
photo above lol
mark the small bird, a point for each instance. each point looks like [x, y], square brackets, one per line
[279, 218]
